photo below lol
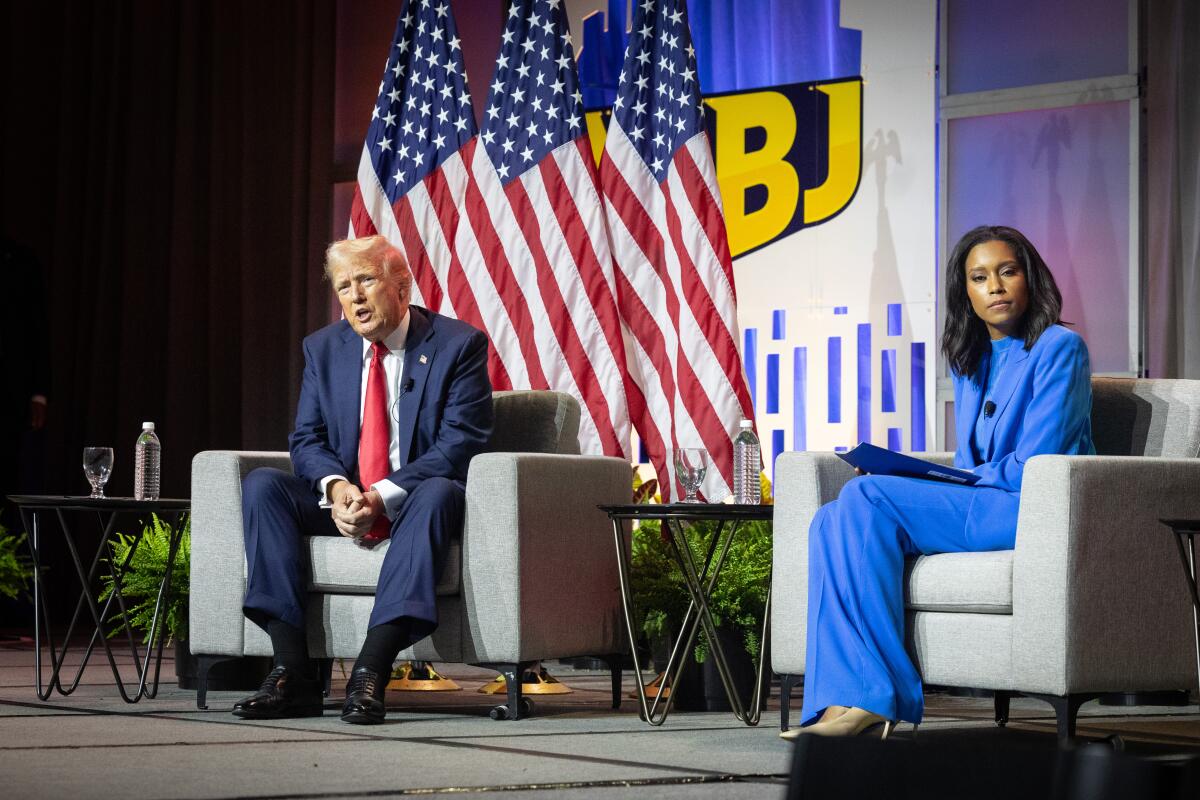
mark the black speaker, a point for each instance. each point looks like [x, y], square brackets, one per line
[984, 764]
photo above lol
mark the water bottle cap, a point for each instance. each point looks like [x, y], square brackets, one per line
[147, 426]
[746, 423]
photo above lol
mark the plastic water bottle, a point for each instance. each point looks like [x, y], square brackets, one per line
[747, 462]
[147, 461]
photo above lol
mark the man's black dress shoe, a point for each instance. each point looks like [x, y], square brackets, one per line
[364, 697]
[283, 695]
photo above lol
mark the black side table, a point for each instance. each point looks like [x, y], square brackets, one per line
[699, 579]
[1188, 529]
[107, 510]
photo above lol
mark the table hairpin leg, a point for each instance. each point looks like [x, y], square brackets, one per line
[699, 581]
[700, 593]
[118, 582]
[627, 607]
[41, 617]
[42, 624]
[158, 625]
[650, 711]
[115, 612]
[756, 703]
[86, 579]
[686, 640]
[157, 637]
[1187, 556]
[140, 665]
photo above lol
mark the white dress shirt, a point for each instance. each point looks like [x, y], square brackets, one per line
[393, 369]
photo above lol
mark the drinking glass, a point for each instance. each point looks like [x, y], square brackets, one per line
[690, 465]
[97, 466]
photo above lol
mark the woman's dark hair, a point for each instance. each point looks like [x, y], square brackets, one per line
[965, 338]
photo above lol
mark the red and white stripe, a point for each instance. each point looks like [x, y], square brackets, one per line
[528, 264]
[424, 224]
[676, 297]
[542, 241]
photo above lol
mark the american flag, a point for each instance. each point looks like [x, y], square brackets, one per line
[537, 227]
[411, 176]
[504, 229]
[674, 274]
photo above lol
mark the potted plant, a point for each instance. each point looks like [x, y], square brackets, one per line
[140, 585]
[738, 602]
[143, 577]
[16, 571]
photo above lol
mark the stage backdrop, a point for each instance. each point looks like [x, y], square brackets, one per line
[823, 127]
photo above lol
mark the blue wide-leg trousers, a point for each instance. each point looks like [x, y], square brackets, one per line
[279, 510]
[855, 652]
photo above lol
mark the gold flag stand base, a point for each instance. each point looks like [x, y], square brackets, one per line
[420, 677]
[654, 688]
[533, 681]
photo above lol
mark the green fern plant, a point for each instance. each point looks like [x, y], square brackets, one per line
[143, 577]
[16, 567]
[739, 598]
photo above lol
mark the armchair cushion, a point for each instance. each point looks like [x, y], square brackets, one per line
[1143, 417]
[340, 565]
[979, 583]
[535, 422]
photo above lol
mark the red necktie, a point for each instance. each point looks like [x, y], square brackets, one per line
[375, 437]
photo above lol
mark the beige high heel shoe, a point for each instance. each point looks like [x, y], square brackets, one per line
[855, 722]
[831, 713]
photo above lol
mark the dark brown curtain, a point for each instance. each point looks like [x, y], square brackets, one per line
[169, 165]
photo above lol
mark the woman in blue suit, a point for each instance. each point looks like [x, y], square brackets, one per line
[1021, 388]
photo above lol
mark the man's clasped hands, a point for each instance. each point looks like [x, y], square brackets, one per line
[354, 511]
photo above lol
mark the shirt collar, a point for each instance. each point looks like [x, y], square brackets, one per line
[395, 342]
[1002, 344]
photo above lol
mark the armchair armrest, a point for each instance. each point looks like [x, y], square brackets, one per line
[539, 568]
[804, 481]
[1099, 602]
[218, 569]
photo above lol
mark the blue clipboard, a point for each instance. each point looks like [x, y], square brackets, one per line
[878, 461]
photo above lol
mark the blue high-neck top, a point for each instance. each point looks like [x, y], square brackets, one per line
[1000, 350]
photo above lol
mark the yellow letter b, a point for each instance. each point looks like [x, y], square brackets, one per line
[739, 171]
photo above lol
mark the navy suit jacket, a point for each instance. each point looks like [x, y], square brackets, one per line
[445, 418]
[1043, 400]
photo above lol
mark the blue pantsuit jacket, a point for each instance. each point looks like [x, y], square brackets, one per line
[858, 543]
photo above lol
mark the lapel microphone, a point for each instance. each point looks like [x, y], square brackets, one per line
[406, 385]
[989, 408]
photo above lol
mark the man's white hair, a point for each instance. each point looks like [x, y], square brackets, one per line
[369, 250]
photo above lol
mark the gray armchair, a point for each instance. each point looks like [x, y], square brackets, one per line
[1090, 601]
[532, 578]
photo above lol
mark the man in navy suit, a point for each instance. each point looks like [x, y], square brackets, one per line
[394, 403]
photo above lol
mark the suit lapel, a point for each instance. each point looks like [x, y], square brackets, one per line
[1006, 383]
[347, 392]
[972, 401]
[419, 350]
